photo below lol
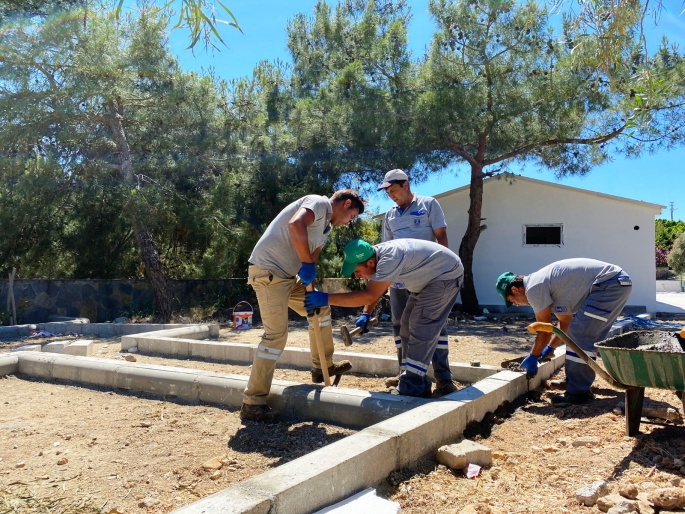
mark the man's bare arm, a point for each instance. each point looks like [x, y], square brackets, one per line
[373, 292]
[297, 227]
[441, 236]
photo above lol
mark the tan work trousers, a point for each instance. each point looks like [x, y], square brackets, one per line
[274, 296]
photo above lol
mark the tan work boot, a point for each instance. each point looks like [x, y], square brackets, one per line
[338, 368]
[392, 381]
[445, 387]
[258, 413]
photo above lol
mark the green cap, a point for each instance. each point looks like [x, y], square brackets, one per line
[355, 251]
[503, 282]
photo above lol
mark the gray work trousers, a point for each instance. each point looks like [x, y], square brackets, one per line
[424, 317]
[591, 324]
[441, 361]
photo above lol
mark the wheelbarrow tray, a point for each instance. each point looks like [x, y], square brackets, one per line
[637, 359]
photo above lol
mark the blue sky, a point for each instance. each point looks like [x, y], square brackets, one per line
[653, 178]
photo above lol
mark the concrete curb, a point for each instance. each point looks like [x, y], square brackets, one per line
[166, 343]
[160, 339]
[81, 326]
[364, 459]
[9, 364]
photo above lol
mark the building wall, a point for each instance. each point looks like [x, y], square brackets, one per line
[594, 226]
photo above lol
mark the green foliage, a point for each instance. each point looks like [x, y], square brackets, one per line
[676, 259]
[331, 258]
[666, 231]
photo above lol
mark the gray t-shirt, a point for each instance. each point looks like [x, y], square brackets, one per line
[412, 264]
[563, 285]
[275, 251]
[418, 221]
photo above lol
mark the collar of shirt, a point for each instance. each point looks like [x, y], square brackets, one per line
[400, 210]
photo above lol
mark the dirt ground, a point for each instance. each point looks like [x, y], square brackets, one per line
[133, 452]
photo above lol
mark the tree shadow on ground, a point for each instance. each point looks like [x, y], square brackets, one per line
[286, 440]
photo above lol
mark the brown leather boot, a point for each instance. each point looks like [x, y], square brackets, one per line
[338, 368]
[258, 413]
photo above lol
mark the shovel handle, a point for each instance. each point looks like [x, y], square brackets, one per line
[314, 320]
[539, 326]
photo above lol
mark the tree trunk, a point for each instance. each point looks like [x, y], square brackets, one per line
[469, 299]
[154, 269]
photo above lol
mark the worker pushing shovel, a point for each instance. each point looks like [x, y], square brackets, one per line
[430, 272]
[586, 296]
[282, 265]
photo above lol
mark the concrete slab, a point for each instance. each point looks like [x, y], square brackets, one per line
[28, 348]
[364, 501]
[9, 364]
[80, 347]
[55, 346]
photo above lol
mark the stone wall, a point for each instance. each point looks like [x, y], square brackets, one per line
[104, 300]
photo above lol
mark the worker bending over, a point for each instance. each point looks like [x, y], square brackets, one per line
[282, 264]
[430, 272]
[586, 296]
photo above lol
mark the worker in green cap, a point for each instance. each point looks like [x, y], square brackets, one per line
[430, 272]
[586, 296]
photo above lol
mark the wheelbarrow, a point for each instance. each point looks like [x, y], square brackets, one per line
[632, 365]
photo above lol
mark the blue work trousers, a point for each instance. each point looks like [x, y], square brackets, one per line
[591, 324]
[423, 320]
[440, 358]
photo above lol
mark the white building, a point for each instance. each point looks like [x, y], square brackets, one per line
[531, 223]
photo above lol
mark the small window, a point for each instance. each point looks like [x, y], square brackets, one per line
[551, 234]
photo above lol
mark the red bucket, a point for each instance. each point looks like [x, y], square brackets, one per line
[242, 319]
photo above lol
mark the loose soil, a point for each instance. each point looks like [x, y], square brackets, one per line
[134, 452]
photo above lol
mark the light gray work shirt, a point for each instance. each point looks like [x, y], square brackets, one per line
[275, 251]
[563, 285]
[418, 221]
[412, 264]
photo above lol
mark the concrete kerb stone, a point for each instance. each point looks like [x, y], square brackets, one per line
[167, 343]
[9, 364]
[232, 500]
[187, 332]
[336, 471]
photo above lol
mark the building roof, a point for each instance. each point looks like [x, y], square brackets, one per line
[641, 203]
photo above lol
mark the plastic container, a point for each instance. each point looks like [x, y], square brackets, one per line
[242, 319]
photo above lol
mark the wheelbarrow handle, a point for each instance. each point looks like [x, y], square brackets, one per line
[539, 326]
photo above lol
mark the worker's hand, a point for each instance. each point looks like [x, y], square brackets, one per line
[530, 364]
[315, 299]
[546, 353]
[307, 273]
[362, 321]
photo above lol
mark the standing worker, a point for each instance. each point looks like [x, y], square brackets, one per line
[432, 276]
[282, 264]
[586, 296]
[415, 217]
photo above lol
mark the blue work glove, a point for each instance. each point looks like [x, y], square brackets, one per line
[548, 351]
[307, 273]
[530, 364]
[315, 299]
[362, 321]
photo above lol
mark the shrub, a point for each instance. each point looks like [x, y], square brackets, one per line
[676, 259]
[661, 257]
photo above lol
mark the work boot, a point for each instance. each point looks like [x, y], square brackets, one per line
[444, 387]
[392, 381]
[258, 413]
[573, 399]
[425, 394]
[338, 368]
[559, 384]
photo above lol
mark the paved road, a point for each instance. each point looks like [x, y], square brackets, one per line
[670, 302]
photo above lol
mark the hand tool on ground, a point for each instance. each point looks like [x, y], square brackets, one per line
[313, 317]
[347, 334]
